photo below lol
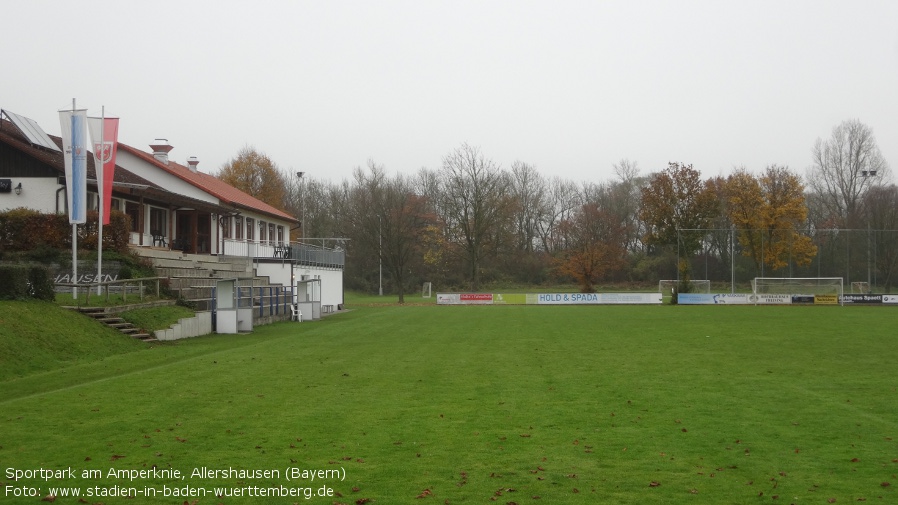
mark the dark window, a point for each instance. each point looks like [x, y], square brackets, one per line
[133, 211]
[226, 227]
[157, 221]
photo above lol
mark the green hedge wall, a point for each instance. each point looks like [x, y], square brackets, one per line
[18, 282]
[26, 230]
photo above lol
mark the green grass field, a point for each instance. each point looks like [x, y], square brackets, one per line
[511, 404]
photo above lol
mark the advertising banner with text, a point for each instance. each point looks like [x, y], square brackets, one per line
[548, 299]
[712, 299]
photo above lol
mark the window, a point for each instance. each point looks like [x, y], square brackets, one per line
[133, 211]
[238, 227]
[281, 235]
[226, 227]
[116, 204]
[263, 232]
[271, 232]
[157, 221]
[250, 229]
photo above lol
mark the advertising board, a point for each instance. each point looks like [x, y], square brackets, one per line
[713, 299]
[868, 298]
[826, 299]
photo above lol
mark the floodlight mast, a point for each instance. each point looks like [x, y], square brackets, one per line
[302, 213]
[867, 174]
[380, 257]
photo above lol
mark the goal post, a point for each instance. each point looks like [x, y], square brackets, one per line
[798, 286]
[666, 286]
[426, 290]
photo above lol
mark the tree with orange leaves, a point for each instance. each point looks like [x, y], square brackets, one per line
[769, 212]
[597, 246]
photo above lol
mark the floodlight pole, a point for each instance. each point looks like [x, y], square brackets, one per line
[380, 257]
[732, 259]
[302, 213]
[865, 174]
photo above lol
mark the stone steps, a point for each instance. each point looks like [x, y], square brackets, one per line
[101, 315]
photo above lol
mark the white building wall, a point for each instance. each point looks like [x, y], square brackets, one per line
[160, 177]
[286, 274]
[38, 193]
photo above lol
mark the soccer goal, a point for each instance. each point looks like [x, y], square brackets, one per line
[666, 286]
[798, 286]
[426, 290]
[861, 287]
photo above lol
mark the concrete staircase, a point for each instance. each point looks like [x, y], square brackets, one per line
[112, 320]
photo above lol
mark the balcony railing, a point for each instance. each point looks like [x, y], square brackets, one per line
[301, 254]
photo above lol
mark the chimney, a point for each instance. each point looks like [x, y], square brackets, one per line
[160, 148]
[192, 162]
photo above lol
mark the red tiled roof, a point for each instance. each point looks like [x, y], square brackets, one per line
[12, 137]
[210, 184]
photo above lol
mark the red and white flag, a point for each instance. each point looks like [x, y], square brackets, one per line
[104, 157]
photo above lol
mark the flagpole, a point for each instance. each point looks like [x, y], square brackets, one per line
[99, 172]
[74, 246]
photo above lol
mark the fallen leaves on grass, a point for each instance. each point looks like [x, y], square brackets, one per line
[424, 494]
[654, 483]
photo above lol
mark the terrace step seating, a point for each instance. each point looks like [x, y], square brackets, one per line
[192, 277]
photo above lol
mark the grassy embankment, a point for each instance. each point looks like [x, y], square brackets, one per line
[611, 404]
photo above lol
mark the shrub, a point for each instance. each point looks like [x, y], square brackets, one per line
[28, 230]
[19, 282]
[13, 282]
[41, 283]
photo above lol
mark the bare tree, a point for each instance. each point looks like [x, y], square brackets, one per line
[845, 166]
[563, 198]
[475, 203]
[626, 194]
[528, 189]
[388, 217]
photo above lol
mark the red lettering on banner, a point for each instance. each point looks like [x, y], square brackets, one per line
[476, 297]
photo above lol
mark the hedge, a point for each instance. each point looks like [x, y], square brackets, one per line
[27, 230]
[18, 282]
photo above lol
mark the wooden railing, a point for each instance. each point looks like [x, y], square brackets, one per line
[110, 286]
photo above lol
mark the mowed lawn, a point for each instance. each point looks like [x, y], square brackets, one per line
[506, 404]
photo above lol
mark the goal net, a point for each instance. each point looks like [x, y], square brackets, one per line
[426, 290]
[666, 287]
[798, 285]
[860, 287]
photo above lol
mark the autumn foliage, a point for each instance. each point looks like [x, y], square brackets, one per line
[596, 247]
[257, 175]
[768, 212]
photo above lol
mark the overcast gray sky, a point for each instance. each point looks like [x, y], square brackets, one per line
[571, 87]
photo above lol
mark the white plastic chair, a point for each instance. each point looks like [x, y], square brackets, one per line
[295, 314]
